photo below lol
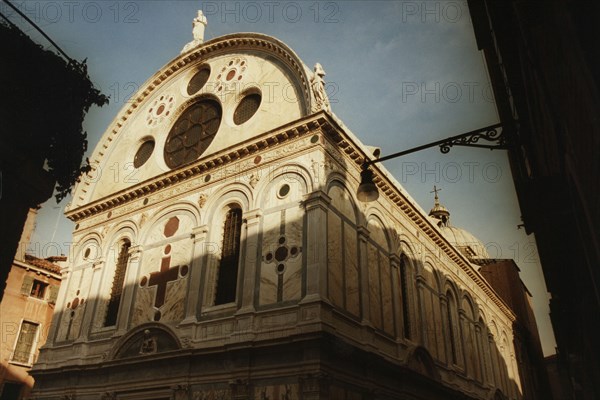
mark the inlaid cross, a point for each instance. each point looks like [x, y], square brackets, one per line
[166, 273]
[161, 278]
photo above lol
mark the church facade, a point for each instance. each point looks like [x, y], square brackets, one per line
[233, 261]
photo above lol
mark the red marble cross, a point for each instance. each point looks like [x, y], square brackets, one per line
[161, 278]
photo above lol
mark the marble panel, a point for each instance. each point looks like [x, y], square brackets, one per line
[75, 303]
[292, 277]
[386, 296]
[341, 201]
[351, 270]
[268, 272]
[335, 288]
[374, 289]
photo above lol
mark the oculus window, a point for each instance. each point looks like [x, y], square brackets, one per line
[192, 133]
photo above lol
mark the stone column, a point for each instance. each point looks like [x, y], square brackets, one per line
[194, 297]
[464, 331]
[480, 353]
[316, 205]
[363, 238]
[93, 298]
[251, 253]
[396, 304]
[445, 325]
[59, 306]
[131, 274]
[422, 312]
[496, 380]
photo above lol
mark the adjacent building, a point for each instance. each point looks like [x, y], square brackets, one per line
[25, 315]
[544, 65]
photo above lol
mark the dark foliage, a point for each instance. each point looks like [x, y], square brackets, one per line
[45, 99]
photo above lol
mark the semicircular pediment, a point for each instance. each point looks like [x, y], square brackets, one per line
[254, 82]
[145, 340]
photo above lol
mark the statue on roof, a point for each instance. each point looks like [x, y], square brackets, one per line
[318, 86]
[199, 25]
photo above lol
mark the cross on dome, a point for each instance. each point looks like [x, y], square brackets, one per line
[439, 211]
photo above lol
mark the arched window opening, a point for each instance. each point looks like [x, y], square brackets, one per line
[117, 285]
[450, 320]
[404, 289]
[230, 256]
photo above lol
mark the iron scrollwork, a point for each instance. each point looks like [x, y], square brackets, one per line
[494, 134]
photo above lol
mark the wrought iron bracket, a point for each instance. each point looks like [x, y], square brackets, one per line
[494, 134]
[497, 136]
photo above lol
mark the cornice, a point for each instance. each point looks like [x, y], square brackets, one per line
[204, 165]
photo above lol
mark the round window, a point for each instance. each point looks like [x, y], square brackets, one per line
[193, 132]
[284, 190]
[143, 153]
[246, 108]
[198, 80]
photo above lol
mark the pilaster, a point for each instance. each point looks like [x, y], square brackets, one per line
[194, 298]
[249, 274]
[93, 297]
[363, 241]
[316, 205]
[132, 272]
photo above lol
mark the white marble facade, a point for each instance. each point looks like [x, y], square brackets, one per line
[313, 260]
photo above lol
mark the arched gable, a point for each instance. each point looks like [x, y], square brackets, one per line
[378, 230]
[253, 59]
[81, 254]
[343, 200]
[185, 209]
[269, 189]
[237, 192]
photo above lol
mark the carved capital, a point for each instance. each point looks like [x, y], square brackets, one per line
[252, 216]
[395, 260]
[199, 232]
[317, 199]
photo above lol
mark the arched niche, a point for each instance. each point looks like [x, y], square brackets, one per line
[144, 340]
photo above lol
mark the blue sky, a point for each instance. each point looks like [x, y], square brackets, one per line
[399, 74]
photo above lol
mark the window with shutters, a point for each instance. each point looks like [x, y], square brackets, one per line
[25, 346]
[230, 255]
[33, 287]
[53, 293]
[38, 289]
[117, 285]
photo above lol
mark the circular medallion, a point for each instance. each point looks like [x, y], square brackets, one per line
[161, 108]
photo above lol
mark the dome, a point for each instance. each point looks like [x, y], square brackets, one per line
[466, 242]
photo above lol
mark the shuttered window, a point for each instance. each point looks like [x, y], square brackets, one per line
[24, 348]
[228, 267]
[117, 285]
[53, 295]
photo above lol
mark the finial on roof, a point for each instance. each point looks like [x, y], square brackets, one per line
[199, 25]
[439, 211]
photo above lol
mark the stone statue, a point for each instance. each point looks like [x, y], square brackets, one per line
[199, 25]
[318, 86]
[148, 344]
